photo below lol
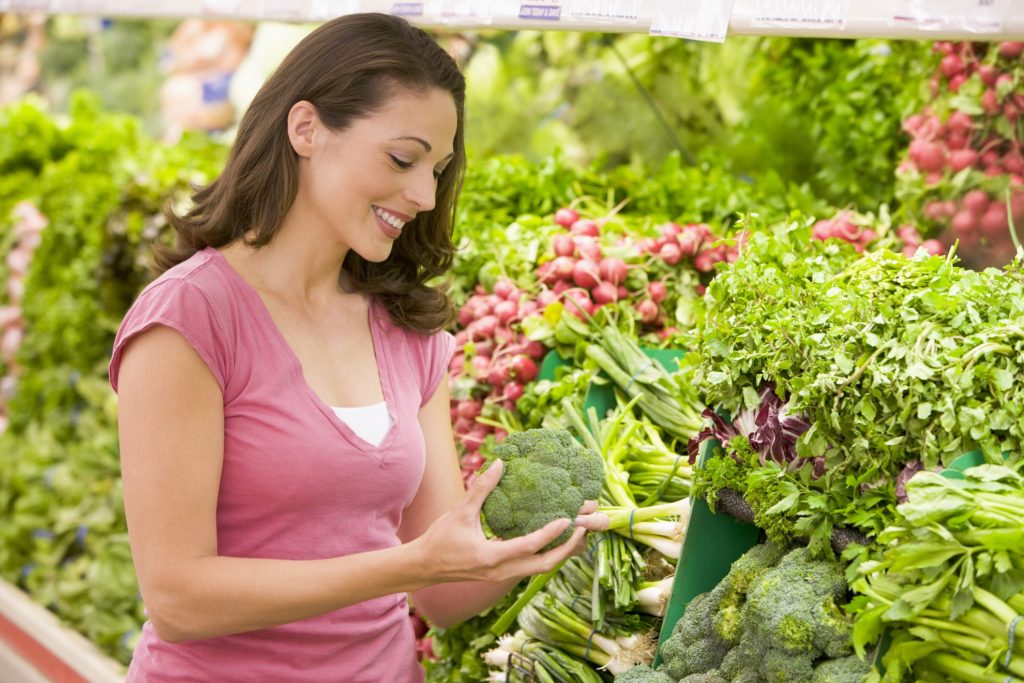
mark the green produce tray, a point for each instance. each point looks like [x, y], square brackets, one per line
[714, 541]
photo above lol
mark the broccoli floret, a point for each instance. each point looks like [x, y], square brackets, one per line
[743, 660]
[547, 476]
[694, 647]
[780, 666]
[793, 605]
[643, 674]
[709, 677]
[851, 669]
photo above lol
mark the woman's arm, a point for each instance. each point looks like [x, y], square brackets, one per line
[446, 604]
[171, 425]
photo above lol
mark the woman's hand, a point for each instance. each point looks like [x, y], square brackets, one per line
[454, 547]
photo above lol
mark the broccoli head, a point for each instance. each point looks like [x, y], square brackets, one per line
[709, 677]
[781, 666]
[693, 646]
[794, 605]
[850, 669]
[547, 476]
[643, 674]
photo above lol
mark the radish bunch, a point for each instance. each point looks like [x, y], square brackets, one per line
[965, 157]
[492, 364]
[28, 228]
[844, 226]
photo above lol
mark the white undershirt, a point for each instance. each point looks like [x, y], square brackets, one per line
[371, 423]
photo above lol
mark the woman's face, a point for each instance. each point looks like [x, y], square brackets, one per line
[362, 185]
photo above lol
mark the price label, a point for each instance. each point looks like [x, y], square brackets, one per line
[407, 9]
[458, 11]
[617, 11]
[541, 11]
[976, 16]
[801, 13]
[695, 19]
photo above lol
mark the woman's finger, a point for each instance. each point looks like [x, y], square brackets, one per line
[531, 543]
[483, 485]
[589, 507]
[597, 521]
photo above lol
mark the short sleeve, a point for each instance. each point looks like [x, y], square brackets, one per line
[182, 306]
[440, 347]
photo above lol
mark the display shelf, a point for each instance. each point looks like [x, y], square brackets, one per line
[38, 639]
[985, 20]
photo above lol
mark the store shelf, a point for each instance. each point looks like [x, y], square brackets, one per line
[986, 20]
[35, 646]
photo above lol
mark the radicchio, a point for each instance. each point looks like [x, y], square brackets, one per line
[771, 430]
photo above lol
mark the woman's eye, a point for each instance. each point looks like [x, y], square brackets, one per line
[400, 163]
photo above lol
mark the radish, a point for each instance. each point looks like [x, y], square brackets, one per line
[993, 171]
[657, 290]
[563, 267]
[469, 409]
[580, 300]
[690, 240]
[671, 253]
[908, 234]
[648, 311]
[705, 261]
[546, 298]
[589, 249]
[506, 311]
[909, 250]
[535, 349]
[566, 217]
[455, 365]
[933, 178]
[1004, 81]
[976, 201]
[585, 226]
[928, 155]
[479, 366]
[526, 309]
[988, 74]
[546, 272]
[963, 158]
[960, 122]
[498, 374]
[562, 286]
[934, 247]
[964, 222]
[649, 245]
[605, 293]
[1011, 49]
[484, 327]
[613, 269]
[951, 65]
[935, 211]
[994, 221]
[563, 245]
[956, 82]
[989, 101]
[669, 230]
[585, 273]
[523, 368]
[462, 425]
[1011, 111]
[505, 289]
[957, 140]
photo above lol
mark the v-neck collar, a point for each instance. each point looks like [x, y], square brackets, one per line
[382, 359]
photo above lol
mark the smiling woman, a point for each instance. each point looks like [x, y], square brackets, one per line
[286, 447]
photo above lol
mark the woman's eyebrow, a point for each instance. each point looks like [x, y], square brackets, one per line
[426, 145]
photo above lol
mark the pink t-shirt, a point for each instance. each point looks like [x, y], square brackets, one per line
[297, 482]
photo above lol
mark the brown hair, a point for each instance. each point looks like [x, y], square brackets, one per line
[347, 68]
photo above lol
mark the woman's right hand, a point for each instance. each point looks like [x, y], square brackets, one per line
[454, 547]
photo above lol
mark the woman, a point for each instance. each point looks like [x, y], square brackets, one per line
[286, 450]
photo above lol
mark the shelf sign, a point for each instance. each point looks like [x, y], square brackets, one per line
[541, 11]
[461, 11]
[801, 13]
[694, 19]
[407, 9]
[278, 9]
[617, 11]
[974, 16]
[328, 9]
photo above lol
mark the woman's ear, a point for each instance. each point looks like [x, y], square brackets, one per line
[302, 122]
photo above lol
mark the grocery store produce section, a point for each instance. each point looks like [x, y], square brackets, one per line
[793, 339]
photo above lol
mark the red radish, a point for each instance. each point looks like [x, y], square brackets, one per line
[566, 217]
[613, 269]
[649, 245]
[462, 425]
[993, 171]
[469, 409]
[535, 349]
[957, 140]
[546, 272]
[499, 374]
[670, 230]
[951, 65]
[506, 311]
[934, 247]
[523, 368]
[484, 347]
[964, 222]
[546, 298]
[912, 123]
[455, 365]
[908, 234]
[933, 178]
[527, 308]
[988, 74]
[1004, 80]
[580, 300]
[589, 249]
[657, 290]
[844, 229]
[994, 220]
[1013, 162]
[605, 293]
[671, 253]
[960, 122]
[963, 158]
[823, 230]
[484, 327]
[500, 434]
[690, 240]
[935, 211]
[705, 261]
[989, 101]
[1011, 111]
[585, 273]
[623, 292]
[648, 311]
[957, 81]
[479, 366]
[976, 201]
[562, 286]
[585, 226]
[990, 158]
[505, 288]
[1011, 49]
[563, 245]
[563, 267]
[909, 250]
[928, 155]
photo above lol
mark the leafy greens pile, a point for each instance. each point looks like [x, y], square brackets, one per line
[897, 364]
